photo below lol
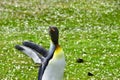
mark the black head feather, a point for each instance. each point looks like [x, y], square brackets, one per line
[54, 34]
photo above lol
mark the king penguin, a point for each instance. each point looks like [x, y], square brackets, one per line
[52, 61]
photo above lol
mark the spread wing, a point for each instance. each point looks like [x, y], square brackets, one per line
[38, 54]
[29, 52]
[36, 47]
[34, 51]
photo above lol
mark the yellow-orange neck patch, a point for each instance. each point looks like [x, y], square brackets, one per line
[58, 51]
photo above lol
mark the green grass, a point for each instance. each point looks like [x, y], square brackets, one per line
[89, 29]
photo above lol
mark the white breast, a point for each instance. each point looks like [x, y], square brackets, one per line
[55, 69]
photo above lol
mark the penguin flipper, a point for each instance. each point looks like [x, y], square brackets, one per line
[36, 47]
[29, 52]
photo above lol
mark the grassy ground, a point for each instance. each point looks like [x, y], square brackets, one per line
[89, 29]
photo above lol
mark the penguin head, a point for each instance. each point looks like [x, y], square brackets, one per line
[54, 34]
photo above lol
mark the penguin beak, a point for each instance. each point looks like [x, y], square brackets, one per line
[51, 29]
